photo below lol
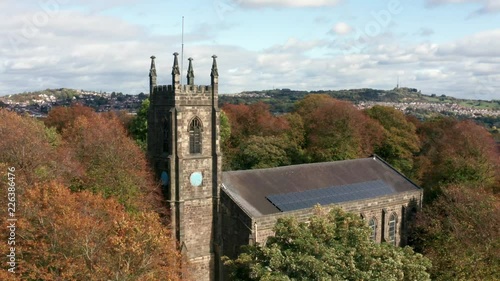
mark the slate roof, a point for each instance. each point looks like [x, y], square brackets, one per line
[300, 186]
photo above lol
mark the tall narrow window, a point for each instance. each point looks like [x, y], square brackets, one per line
[373, 226]
[195, 136]
[165, 135]
[392, 229]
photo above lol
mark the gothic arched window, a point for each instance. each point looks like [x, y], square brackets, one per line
[195, 129]
[392, 229]
[373, 226]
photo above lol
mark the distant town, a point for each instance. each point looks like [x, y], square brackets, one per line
[445, 108]
[38, 104]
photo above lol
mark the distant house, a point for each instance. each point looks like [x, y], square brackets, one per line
[213, 213]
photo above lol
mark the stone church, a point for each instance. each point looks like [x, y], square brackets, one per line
[213, 213]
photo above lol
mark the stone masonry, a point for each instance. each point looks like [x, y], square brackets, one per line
[190, 179]
[210, 219]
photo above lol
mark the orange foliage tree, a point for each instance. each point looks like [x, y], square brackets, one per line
[61, 117]
[457, 152]
[34, 150]
[75, 234]
[459, 232]
[112, 163]
[82, 236]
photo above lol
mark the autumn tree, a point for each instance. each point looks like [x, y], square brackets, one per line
[114, 165]
[332, 246]
[310, 103]
[400, 142]
[336, 130]
[254, 119]
[82, 236]
[459, 232]
[457, 152]
[69, 231]
[61, 117]
[32, 149]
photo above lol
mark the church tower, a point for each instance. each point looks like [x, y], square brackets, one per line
[184, 149]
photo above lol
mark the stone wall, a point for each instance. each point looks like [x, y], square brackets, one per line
[239, 229]
[236, 226]
[201, 268]
[380, 208]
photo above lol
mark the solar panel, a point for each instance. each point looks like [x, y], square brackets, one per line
[329, 195]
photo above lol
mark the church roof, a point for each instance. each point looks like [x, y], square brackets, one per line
[273, 190]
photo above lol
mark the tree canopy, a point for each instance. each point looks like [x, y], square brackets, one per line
[330, 246]
[459, 232]
[457, 152]
[400, 142]
[87, 206]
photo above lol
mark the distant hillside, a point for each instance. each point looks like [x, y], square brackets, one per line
[57, 94]
[409, 100]
[39, 103]
[282, 100]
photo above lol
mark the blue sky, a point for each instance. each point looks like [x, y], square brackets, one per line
[449, 47]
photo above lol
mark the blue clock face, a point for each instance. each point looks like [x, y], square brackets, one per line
[196, 179]
[164, 178]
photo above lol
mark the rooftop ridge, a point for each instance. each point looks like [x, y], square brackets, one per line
[376, 157]
[296, 166]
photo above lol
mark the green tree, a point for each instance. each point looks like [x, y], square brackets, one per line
[247, 121]
[295, 136]
[225, 144]
[336, 130]
[114, 165]
[225, 128]
[400, 142]
[138, 127]
[332, 246]
[263, 152]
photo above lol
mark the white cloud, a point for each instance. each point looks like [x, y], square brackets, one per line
[342, 28]
[286, 3]
[294, 45]
[483, 44]
[430, 74]
[487, 6]
[96, 52]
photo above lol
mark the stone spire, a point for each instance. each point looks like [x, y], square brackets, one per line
[152, 71]
[215, 73]
[175, 70]
[214, 81]
[152, 75]
[190, 73]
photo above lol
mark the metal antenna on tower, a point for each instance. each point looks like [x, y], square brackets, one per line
[182, 50]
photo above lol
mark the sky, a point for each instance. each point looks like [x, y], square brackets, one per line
[449, 47]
